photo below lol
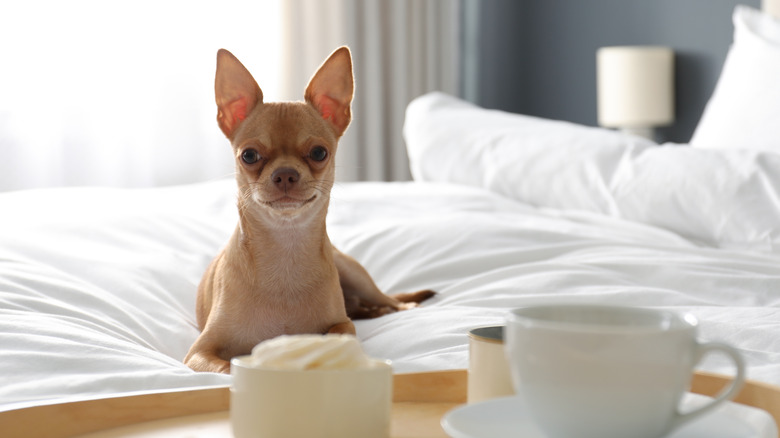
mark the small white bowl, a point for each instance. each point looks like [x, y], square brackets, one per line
[345, 403]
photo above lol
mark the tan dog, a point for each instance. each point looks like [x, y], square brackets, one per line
[279, 273]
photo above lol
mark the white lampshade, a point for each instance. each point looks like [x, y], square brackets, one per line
[635, 86]
[771, 7]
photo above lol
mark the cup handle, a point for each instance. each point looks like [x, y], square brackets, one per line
[725, 394]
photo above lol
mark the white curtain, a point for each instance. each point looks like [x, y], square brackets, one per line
[401, 49]
[110, 93]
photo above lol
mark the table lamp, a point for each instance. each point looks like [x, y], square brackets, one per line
[635, 88]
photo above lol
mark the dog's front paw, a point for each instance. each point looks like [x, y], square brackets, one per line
[210, 366]
[342, 328]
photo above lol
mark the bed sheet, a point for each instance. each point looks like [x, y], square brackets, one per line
[97, 286]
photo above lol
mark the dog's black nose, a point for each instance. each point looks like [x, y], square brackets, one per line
[285, 178]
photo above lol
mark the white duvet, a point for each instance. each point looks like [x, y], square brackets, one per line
[97, 286]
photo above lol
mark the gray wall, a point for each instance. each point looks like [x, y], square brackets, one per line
[538, 57]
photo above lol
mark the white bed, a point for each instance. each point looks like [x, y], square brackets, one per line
[97, 286]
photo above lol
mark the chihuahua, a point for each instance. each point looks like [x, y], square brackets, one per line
[279, 273]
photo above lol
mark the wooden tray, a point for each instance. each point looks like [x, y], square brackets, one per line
[419, 402]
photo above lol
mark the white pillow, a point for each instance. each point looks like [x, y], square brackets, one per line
[720, 198]
[539, 161]
[744, 110]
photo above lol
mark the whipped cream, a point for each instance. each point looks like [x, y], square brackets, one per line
[311, 352]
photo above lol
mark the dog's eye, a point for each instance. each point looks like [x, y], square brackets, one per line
[318, 153]
[250, 156]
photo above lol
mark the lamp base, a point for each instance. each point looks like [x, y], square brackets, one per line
[648, 133]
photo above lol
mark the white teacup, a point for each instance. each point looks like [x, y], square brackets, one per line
[344, 403]
[602, 371]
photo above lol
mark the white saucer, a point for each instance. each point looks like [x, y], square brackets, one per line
[506, 417]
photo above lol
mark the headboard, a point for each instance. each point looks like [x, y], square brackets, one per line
[772, 7]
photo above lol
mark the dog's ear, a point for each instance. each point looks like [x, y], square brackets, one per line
[330, 90]
[236, 92]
